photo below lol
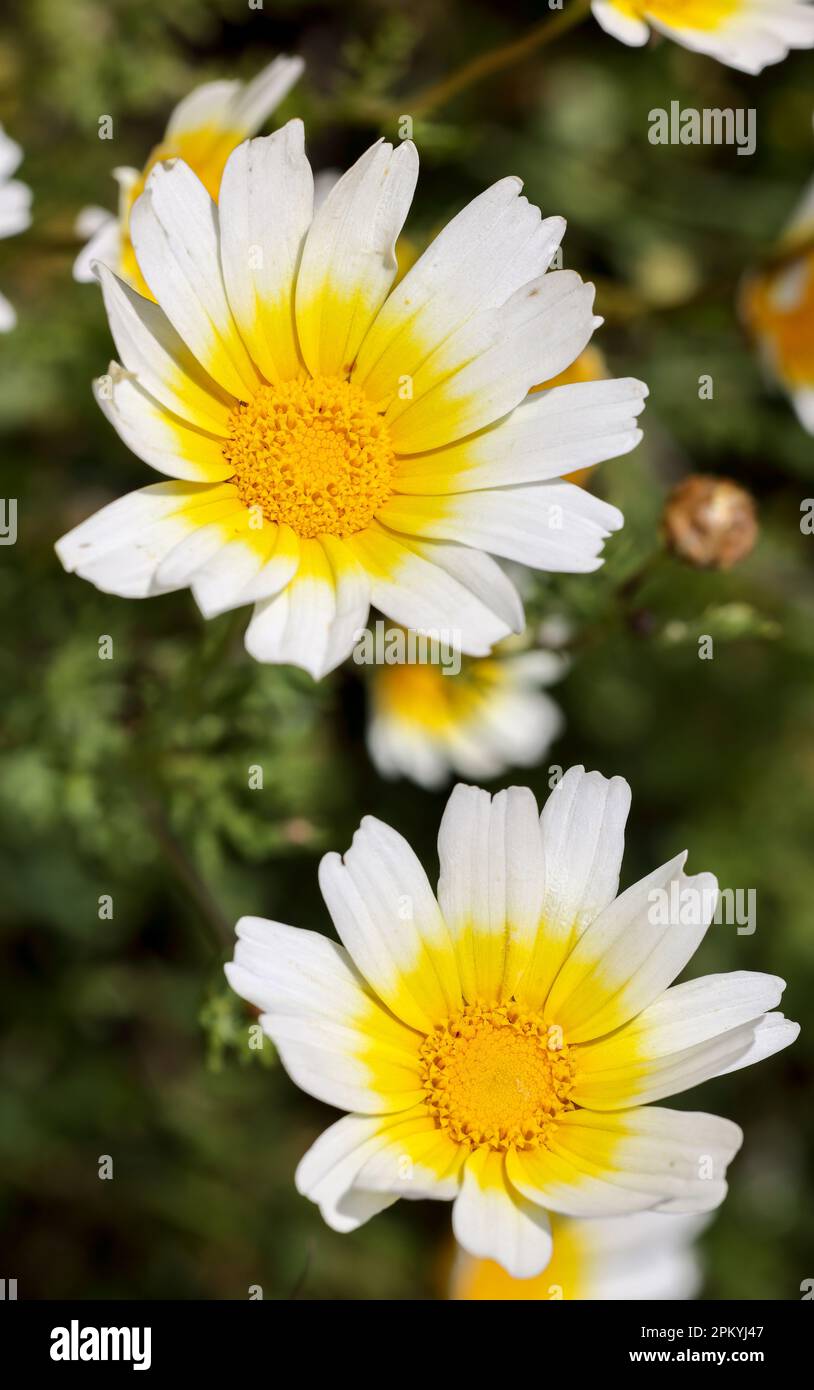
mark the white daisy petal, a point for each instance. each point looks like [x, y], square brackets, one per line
[11, 156]
[152, 351]
[399, 751]
[692, 1032]
[483, 371]
[174, 228]
[239, 372]
[494, 1222]
[651, 1158]
[770, 1035]
[583, 831]
[8, 315]
[756, 37]
[348, 261]
[235, 107]
[314, 621]
[495, 245]
[258, 98]
[491, 886]
[549, 434]
[519, 726]
[280, 566]
[386, 915]
[583, 839]
[435, 588]
[203, 130]
[121, 547]
[259, 253]
[431, 719]
[352, 588]
[554, 526]
[481, 578]
[803, 402]
[15, 208]
[229, 578]
[632, 951]
[183, 562]
[15, 212]
[103, 245]
[333, 1036]
[168, 444]
[327, 1171]
[227, 567]
[644, 1255]
[207, 107]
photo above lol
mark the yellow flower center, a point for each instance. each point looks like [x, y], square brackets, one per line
[314, 454]
[496, 1076]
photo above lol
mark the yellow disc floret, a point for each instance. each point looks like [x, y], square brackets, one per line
[314, 454]
[496, 1077]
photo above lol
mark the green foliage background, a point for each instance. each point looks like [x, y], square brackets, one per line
[130, 777]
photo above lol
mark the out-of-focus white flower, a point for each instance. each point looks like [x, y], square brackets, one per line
[428, 724]
[15, 210]
[646, 1255]
[203, 130]
[777, 306]
[744, 34]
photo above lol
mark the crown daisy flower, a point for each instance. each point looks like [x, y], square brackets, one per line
[331, 443]
[15, 210]
[744, 34]
[428, 721]
[646, 1255]
[777, 307]
[203, 130]
[499, 1045]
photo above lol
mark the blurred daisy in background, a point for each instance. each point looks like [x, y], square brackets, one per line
[203, 130]
[777, 305]
[334, 442]
[428, 723]
[642, 1256]
[499, 1044]
[744, 34]
[15, 210]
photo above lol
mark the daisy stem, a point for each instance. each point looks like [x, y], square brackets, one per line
[499, 58]
[185, 871]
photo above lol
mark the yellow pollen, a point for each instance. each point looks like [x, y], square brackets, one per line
[496, 1077]
[314, 454]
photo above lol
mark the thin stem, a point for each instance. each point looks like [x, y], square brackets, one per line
[213, 652]
[498, 59]
[187, 874]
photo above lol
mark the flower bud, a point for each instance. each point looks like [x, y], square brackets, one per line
[710, 522]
